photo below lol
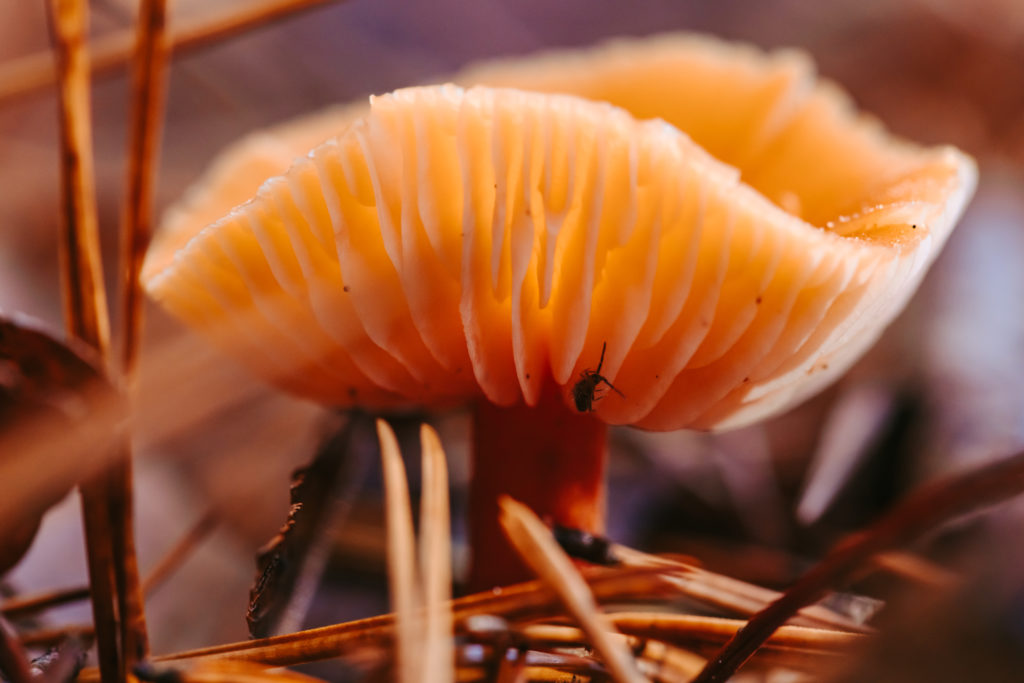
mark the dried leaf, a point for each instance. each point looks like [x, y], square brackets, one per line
[48, 389]
[37, 372]
[299, 548]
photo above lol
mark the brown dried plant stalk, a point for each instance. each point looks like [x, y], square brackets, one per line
[36, 72]
[136, 228]
[85, 307]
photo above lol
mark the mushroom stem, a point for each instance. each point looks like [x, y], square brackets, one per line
[549, 457]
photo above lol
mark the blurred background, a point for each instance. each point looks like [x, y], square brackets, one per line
[942, 390]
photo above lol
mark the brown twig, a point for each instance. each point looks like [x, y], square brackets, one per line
[134, 643]
[85, 304]
[148, 90]
[102, 581]
[930, 506]
[740, 597]
[36, 72]
[148, 94]
[85, 308]
[45, 638]
[17, 607]
[13, 662]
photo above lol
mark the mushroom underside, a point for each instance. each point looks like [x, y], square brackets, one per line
[452, 243]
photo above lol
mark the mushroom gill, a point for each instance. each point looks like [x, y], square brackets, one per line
[451, 242]
[722, 233]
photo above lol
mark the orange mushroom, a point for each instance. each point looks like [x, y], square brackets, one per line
[495, 245]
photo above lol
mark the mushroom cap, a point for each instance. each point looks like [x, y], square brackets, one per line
[445, 243]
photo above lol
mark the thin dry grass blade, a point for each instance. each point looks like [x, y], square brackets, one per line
[918, 570]
[21, 606]
[725, 592]
[148, 94]
[853, 427]
[536, 546]
[132, 616]
[684, 628]
[47, 638]
[436, 553]
[136, 229]
[85, 305]
[223, 671]
[534, 674]
[85, 302]
[659, 660]
[405, 594]
[527, 600]
[668, 664]
[681, 640]
[36, 71]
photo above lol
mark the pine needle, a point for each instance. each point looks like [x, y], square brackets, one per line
[532, 599]
[222, 671]
[436, 553]
[538, 548]
[405, 594]
[725, 592]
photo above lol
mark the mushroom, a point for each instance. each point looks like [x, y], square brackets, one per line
[500, 246]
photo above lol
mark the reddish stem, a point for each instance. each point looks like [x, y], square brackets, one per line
[549, 457]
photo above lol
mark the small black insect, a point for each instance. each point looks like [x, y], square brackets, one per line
[584, 545]
[584, 392]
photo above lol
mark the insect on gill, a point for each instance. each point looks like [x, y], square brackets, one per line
[584, 392]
